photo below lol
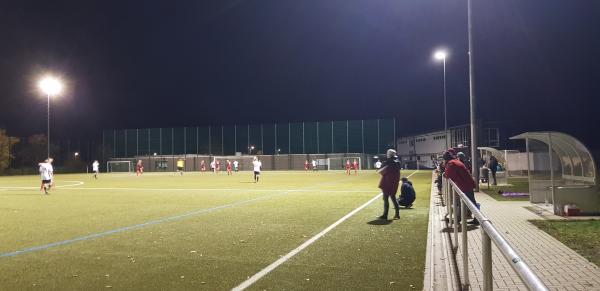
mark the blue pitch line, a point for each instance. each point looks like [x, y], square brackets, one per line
[131, 227]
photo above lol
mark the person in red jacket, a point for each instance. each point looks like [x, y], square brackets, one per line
[390, 179]
[460, 175]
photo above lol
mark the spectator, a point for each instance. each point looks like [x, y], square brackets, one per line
[459, 174]
[493, 165]
[407, 193]
[390, 178]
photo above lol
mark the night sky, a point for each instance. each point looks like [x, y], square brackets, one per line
[139, 64]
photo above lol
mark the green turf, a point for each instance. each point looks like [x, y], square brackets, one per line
[579, 235]
[519, 185]
[215, 250]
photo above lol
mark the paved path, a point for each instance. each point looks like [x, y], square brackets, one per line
[559, 267]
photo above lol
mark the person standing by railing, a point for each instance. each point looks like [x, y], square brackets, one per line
[458, 172]
[390, 179]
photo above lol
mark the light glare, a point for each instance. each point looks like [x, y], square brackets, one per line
[440, 55]
[50, 86]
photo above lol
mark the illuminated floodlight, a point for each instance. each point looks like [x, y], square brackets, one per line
[50, 85]
[76, 154]
[440, 55]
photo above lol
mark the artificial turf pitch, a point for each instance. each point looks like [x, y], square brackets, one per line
[170, 232]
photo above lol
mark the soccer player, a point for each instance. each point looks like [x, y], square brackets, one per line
[355, 167]
[257, 165]
[180, 165]
[217, 166]
[314, 165]
[139, 168]
[306, 165]
[348, 166]
[228, 168]
[46, 175]
[235, 165]
[96, 169]
[212, 166]
[202, 166]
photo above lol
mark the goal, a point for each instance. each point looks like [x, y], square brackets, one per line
[340, 163]
[118, 166]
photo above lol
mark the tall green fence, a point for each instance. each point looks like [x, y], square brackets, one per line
[347, 136]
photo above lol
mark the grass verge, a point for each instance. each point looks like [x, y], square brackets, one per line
[519, 185]
[579, 235]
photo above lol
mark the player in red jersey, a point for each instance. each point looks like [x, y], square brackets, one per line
[217, 166]
[306, 165]
[139, 168]
[228, 167]
[348, 166]
[355, 167]
[202, 166]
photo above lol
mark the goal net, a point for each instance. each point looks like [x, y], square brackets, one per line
[119, 167]
[340, 163]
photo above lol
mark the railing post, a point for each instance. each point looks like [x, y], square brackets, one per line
[486, 249]
[465, 243]
[455, 204]
[450, 202]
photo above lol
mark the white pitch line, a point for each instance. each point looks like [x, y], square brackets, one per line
[77, 183]
[213, 189]
[307, 243]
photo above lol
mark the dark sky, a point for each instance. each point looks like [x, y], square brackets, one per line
[159, 64]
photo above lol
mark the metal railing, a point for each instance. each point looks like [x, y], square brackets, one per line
[452, 197]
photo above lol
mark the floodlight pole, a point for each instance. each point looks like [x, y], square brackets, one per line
[445, 110]
[48, 129]
[473, 116]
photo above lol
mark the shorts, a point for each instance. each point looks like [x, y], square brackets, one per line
[179, 168]
[256, 172]
[46, 181]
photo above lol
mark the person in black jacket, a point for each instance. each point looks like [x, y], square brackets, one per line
[407, 193]
[493, 165]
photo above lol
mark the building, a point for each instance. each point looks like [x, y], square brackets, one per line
[422, 150]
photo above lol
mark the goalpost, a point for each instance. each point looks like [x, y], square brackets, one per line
[339, 163]
[118, 166]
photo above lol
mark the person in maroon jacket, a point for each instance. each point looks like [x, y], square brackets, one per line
[390, 179]
[458, 172]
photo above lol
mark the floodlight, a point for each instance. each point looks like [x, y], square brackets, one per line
[50, 85]
[76, 154]
[440, 55]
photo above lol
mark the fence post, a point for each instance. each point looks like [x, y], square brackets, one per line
[456, 203]
[486, 250]
[465, 243]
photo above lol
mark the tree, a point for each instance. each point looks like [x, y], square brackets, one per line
[6, 152]
[33, 152]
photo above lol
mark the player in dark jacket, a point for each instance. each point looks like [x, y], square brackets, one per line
[390, 179]
[407, 193]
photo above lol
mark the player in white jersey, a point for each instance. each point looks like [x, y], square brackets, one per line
[96, 169]
[46, 175]
[257, 165]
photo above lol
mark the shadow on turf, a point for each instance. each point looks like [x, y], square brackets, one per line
[380, 222]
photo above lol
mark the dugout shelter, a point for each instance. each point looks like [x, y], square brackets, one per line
[561, 171]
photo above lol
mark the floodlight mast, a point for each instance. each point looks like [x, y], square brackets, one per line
[473, 116]
[50, 86]
[441, 55]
